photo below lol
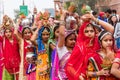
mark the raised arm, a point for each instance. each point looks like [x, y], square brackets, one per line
[16, 26]
[35, 34]
[61, 39]
[105, 25]
[115, 70]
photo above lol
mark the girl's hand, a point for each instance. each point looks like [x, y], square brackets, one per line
[103, 72]
[63, 15]
[110, 53]
[86, 17]
[81, 77]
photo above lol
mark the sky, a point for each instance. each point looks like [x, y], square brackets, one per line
[11, 5]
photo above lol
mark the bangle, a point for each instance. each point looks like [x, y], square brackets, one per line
[94, 74]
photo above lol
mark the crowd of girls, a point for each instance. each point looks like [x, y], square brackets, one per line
[72, 47]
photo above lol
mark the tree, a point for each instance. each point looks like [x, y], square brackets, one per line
[91, 3]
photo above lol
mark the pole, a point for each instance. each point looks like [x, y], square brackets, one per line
[23, 3]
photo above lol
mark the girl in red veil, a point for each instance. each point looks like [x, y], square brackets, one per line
[86, 46]
[11, 56]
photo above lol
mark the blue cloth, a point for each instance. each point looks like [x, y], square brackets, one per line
[103, 19]
[39, 40]
[118, 42]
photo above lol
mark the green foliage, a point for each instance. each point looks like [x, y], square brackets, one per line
[90, 3]
[66, 5]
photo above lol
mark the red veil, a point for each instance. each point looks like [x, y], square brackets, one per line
[11, 54]
[77, 63]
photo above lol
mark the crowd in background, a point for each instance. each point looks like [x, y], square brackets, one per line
[65, 47]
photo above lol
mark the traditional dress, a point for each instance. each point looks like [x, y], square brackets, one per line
[55, 65]
[43, 68]
[95, 64]
[77, 63]
[1, 62]
[63, 55]
[52, 55]
[26, 48]
[11, 58]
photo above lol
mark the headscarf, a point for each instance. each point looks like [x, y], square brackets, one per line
[77, 63]
[69, 32]
[39, 40]
[11, 53]
[101, 14]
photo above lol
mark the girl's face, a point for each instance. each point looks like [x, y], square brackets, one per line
[45, 35]
[56, 33]
[8, 33]
[114, 18]
[89, 32]
[70, 41]
[27, 34]
[107, 41]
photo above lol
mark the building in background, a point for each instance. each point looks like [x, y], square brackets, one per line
[112, 4]
[115, 4]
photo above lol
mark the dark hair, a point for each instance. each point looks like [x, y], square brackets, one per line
[91, 25]
[108, 11]
[94, 13]
[47, 28]
[101, 35]
[114, 11]
[111, 22]
[55, 28]
[97, 27]
[25, 29]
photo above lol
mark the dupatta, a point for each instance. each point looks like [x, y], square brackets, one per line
[77, 63]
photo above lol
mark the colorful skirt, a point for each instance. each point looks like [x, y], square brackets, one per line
[7, 76]
[42, 69]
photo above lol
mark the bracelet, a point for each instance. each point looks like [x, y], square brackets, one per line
[94, 74]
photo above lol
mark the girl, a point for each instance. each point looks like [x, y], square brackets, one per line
[87, 44]
[100, 64]
[53, 41]
[64, 48]
[113, 20]
[26, 48]
[11, 54]
[42, 68]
